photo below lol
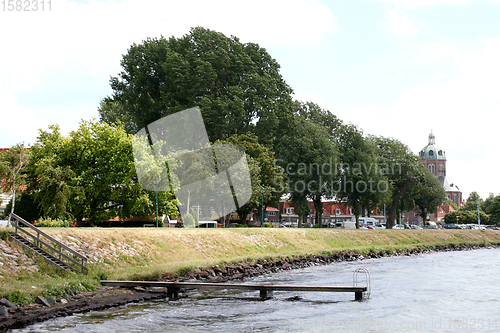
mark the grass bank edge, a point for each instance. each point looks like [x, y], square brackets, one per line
[53, 282]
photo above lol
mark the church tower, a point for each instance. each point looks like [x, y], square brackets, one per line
[434, 159]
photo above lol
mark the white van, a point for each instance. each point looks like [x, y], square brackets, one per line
[368, 222]
[346, 225]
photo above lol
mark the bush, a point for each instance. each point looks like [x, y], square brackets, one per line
[465, 216]
[268, 225]
[161, 224]
[52, 223]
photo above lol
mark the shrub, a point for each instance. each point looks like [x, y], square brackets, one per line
[268, 225]
[161, 224]
[52, 223]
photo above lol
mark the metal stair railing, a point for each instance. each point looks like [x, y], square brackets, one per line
[41, 252]
[21, 225]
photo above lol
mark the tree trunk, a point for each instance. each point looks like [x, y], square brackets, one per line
[394, 204]
[304, 220]
[12, 206]
[242, 214]
[356, 212]
[318, 206]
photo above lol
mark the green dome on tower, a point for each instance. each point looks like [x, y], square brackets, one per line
[432, 151]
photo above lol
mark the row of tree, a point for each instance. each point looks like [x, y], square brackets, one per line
[240, 90]
[292, 147]
[488, 211]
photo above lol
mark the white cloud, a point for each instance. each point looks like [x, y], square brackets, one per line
[438, 52]
[19, 124]
[81, 40]
[398, 22]
[464, 110]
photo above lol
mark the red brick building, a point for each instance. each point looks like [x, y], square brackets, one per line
[332, 212]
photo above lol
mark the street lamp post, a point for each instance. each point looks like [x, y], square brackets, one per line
[478, 214]
[262, 209]
[156, 182]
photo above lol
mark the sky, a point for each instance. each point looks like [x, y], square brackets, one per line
[395, 68]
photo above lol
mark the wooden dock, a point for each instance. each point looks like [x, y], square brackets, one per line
[265, 290]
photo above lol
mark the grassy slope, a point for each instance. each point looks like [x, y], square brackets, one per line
[152, 253]
[174, 250]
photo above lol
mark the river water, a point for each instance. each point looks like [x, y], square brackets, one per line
[437, 292]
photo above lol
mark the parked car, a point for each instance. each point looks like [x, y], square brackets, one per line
[398, 226]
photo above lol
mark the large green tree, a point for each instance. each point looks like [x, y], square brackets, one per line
[267, 178]
[492, 207]
[309, 156]
[400, 166]
[237, 86]
[472, 201]
[90, 175]
[360, 178]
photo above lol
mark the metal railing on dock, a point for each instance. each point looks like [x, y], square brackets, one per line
[265, 290]
[65, 257]
[367, 279]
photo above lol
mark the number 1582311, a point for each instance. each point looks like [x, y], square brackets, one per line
[26, 5]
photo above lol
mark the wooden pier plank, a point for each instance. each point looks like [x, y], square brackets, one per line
[201, 285]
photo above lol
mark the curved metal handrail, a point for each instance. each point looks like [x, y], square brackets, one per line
[367, 279]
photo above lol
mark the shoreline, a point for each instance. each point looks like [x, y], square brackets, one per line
[109, 297]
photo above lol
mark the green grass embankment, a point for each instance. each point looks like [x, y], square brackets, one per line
[150, 254]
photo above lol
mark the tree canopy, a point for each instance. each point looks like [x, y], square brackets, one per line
[309, 155]
[237, 86]
[89, 176]
[267, 178]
